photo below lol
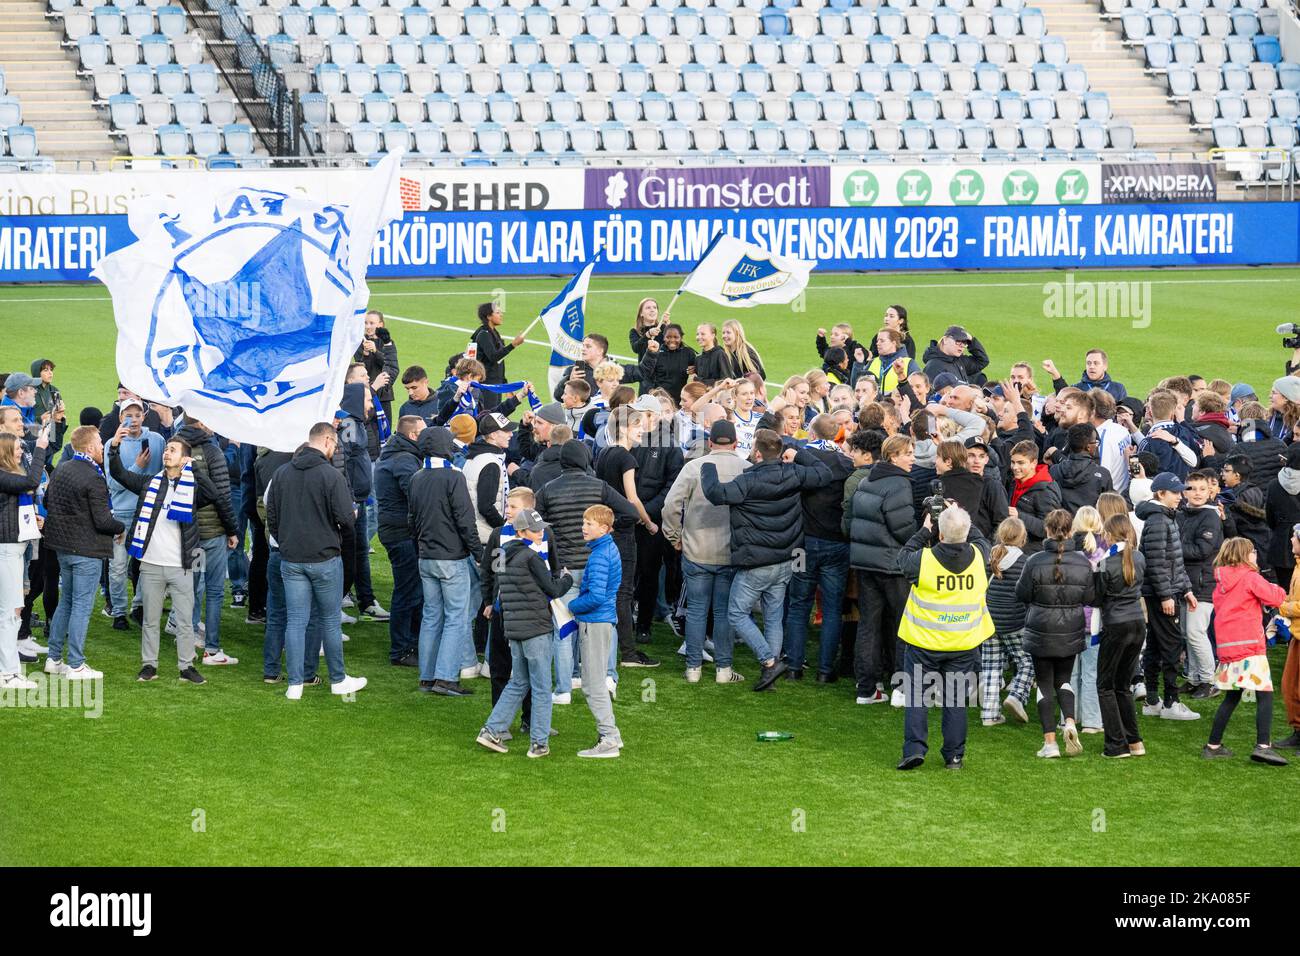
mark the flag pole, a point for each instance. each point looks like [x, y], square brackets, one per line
[682, 288]
[531, 325]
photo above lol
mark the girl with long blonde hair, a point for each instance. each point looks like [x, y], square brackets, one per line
[742, 357]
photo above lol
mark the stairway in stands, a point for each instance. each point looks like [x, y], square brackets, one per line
[1116, 70]
[43, 76]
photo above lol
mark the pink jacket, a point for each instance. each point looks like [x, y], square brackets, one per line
[1240, 596]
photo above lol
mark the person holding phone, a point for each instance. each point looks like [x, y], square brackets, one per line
[140, 450]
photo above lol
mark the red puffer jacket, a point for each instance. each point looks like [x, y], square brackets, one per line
[1240, 595]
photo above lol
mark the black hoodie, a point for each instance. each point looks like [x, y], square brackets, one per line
[355, 441]
[1082, 481]
[561, 502]
[306, 508]
[441, 515]
[398, 463]
[666, 369]
[967, 366]
[546, 468]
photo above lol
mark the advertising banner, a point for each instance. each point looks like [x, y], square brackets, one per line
[555, 242]
[1157, 182]
[710, 187]
[980, 184]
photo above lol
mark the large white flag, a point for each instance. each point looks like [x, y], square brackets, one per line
[565, 319]
[246, 306]
[741, 274]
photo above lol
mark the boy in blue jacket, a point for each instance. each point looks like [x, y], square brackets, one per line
[596, 613]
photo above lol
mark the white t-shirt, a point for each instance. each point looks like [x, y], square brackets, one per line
[745, 428]
[164, 547]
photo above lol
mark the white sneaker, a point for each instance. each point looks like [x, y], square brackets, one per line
[348, 685]
[348, 602]
[343, 637]
[1139, 691]
[897, 699]
[84, 672]
[1073, 745]
[57, 668]
[30, 648]
[16, 682]
[170, 626]
[708, 644]
[612, 686]
[346, 618]
[725, 675]
[562, 698]
[375, 612]
[484, 670]
[1178, 711]
[693, 674]
[681, 652]
[1153, 710]
[219, 659]
[1049, 751]
[469, 673]
[293, 692]
[876, 697]
[576, 683]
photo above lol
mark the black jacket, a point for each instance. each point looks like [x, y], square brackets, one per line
[766, 511]
[217, 518]
[1032, 507]
[993, 504]
[1120, 601]
[307, 507]
[398, 463]
[78, 519]
[441, 515]
[546, 467]
[1162, 546]
[823, 506]
[1282, 512]
[354, 439]
[12, 486]
[382, 359]
[1266, 456]
[492, 352]
[1202, 533]
[1082, 481]
[1054, 622]
[1005, 606]
[489, 583]
[526, 588]
[881, 519]
[967, 366]
[967, 489]
[667, 369]
[561, 502]
[1246, 516]
[657, 466]
[712, 365]
[265, 466]
[137, 483]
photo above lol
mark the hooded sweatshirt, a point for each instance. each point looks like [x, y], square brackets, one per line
[354, 440]
[1240, 596]
[307, 505]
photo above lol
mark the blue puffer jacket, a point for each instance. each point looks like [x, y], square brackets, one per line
[595, 603]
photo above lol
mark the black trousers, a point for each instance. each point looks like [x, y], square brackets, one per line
[1121, 645]
[499, 663]
[257, 565]
[1164, 645]
[626, 543]
[878, 653]
[654, 552]
[1053, 676]
[1263, 716]
[43, 576]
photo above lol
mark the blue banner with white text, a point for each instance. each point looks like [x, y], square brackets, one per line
[559, 242]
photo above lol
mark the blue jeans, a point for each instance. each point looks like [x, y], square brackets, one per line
[1084, 682]
[313, 592]
[407, 605]
[444, 627]
[237, 560]
[765, 587]
[211, 586]
[708, 586]
[530, 668]
[276, 617]
[565, 652]
[827, 567]
[117, 568]
[78, 582]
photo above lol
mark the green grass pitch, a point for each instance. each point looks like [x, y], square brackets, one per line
[231, 774]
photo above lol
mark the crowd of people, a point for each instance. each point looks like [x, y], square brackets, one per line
[958, 540]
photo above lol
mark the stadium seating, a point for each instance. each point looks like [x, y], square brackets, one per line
[511, 80]
[17, 142]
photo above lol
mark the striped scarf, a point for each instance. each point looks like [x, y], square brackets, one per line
[433, 461]
[179, 509]
[381, 417]
[823, 444]
[565, 625]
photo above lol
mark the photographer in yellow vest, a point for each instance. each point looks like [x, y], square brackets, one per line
[944, 623]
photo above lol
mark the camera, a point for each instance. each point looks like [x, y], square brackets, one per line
[1291, 330]
[936, 503]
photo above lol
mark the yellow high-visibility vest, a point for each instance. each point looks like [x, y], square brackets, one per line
[886, 377]
[946, 611]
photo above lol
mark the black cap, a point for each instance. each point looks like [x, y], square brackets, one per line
[722, 432]
[977, 442]
[490, 422]
[958, 333]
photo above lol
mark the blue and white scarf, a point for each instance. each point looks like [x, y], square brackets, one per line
[565, 625]
[381, 417]
[823, 444]
[179, 509]
[534, 402]
[27, 529]
[433, 461]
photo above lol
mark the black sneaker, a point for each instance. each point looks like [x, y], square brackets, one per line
[255, 617]
[539, 750]
[794, 673]
[769, 675]
[409, 659]
[678, 625]
[137, 615]
[450, 688]
[911, 763]
[426, 686]
[824, 678]
[238, 599]
[1289, 743]
[638, 659]
[956, 763]
[277, 679]
[193, 676]
[120, 624]
[643, 637]
[1216, 753]
[314, 682]
[147, 673]
[1205, 692]
[1266, 754]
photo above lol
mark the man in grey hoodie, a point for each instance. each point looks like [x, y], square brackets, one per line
[701, 531]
